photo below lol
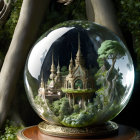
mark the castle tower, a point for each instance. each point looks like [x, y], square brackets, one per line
[41, 89]
[58, 77]
[71, 65]
[42, 84]
[58, 69]
[79, 57]
[53, 70]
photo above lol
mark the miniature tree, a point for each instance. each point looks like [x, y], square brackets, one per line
[111, 50]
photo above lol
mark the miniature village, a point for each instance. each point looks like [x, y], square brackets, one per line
[79, 97]
[77, 84]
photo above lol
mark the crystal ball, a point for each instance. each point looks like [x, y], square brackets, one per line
[78, 74]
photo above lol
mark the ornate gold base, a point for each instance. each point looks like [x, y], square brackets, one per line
[107, 129]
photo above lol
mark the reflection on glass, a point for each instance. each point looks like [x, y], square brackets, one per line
[78, 74]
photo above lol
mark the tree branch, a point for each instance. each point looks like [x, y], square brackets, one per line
[104, 14]
[4, 10]
[89, 10]
[31, 14]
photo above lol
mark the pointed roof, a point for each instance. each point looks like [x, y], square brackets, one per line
[52, 66]
[53, 70]
[71, 64]
[79, 57]
[71, 60]
[42, 84]
[58, 68]
[79, 54]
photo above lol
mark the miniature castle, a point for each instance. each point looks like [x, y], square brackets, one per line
[78, 76]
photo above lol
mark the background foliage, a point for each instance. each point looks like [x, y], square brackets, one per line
[7, 30]
[10, 131]
[129, 19]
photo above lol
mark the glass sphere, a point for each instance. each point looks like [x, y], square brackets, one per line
[79, 74]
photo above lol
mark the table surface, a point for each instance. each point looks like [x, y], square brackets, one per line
[33, 133]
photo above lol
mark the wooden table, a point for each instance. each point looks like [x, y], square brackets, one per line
[33, 133]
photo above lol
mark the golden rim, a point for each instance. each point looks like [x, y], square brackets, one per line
[94, 131]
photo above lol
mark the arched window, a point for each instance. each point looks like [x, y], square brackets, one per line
[78, 84]
[69, 85]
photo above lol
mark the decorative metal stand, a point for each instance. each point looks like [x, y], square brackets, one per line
[106, 129]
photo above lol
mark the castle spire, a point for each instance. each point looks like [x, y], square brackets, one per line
[42, 84]
[41, 89]
[53, 66]
[71, 60]
[58, 68]
[79, 56]
[71, 64]
[53, 70]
